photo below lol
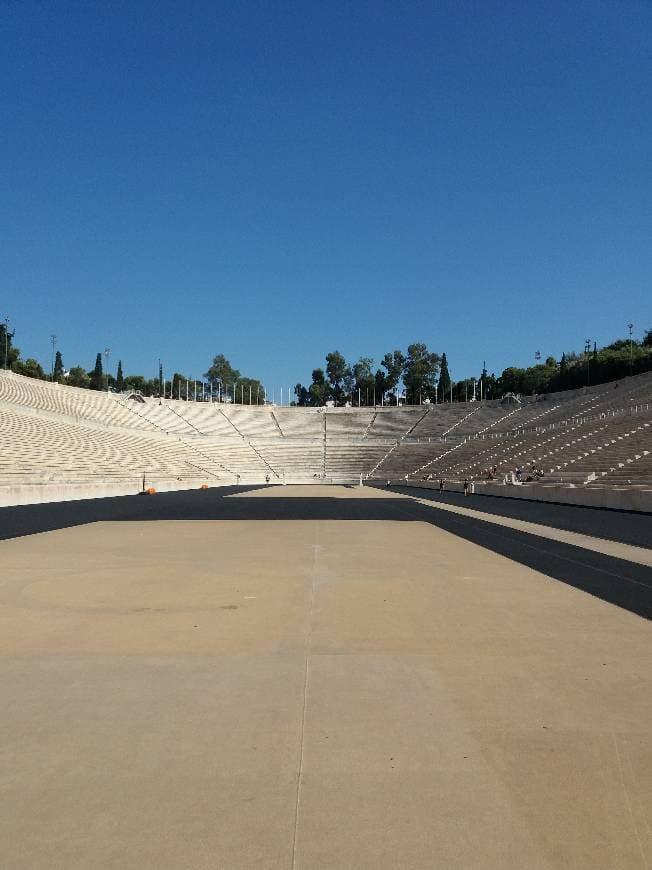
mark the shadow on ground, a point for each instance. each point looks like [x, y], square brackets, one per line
[617, 581]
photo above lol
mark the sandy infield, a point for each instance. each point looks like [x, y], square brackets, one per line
[313, 694]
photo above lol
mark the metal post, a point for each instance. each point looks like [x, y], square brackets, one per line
[6, 341]
[587, 351]
[630, 326]
[53, 339]
[107, 354]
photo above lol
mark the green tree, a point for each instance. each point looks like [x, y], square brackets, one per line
[119, 381]
[319, 388]
[31, 368]
[96, 377]
[393, 363]
[135, 383]
[8, 353]
[647, 341]
[151, 387]
[463, 390]
[337, 370]
[380, 386]
[303, 396]
[512, 380]
[57, 374]
[78, 377]
[444, 379]
[420, 373]
[178, 390]
[490, 388]
[364, 380]
[249, 391]
[222, 372]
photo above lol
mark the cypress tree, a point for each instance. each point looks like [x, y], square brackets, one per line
[444, 379]
[96, 374]
[119, 381]
[160, 379]
[58, 367]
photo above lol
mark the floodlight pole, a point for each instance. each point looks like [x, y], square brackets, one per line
[587, 351]
[53, 339]
[107, 354]
[6, 341]
[630, 326]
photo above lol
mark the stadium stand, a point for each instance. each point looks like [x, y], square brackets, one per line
[599, 437]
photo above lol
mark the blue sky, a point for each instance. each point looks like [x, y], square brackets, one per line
[273, 181]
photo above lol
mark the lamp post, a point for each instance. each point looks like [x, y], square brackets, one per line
[6, 341]
[630, 326]
[107, 354]
[587, 351]
[53, 339]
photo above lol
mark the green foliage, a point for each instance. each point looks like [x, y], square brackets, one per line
[30, 368]
[647, 341]
[303, 396]
[222, 371]
[248, 391]
[119, 381]
[463, 390]
[393, 363]
[380, 386]
[135, 383]
[339, 375]
[228, 382]
[444, 380]
[57, 374]
[9, 354]
[78, 377]
[96, 377]
[420, 373]
[364, 381]
[178, 390]
[319, 389]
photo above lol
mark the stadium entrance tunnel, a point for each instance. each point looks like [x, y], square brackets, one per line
[624, 583]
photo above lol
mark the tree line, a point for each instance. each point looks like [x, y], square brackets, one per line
[418, 375]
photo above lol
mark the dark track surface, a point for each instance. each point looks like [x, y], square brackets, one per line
[617, 581]
[627, 527]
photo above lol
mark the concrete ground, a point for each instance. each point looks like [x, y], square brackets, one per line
[235, 694]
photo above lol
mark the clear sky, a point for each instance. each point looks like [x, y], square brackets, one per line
[275, 180]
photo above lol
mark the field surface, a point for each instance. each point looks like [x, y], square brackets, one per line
[309, 677]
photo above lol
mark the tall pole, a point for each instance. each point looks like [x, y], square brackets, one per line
[53, 339]
[630, 326]
[6, 341]
[587, 351]
[107, 354]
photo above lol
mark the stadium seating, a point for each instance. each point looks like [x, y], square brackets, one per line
[595, 437]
